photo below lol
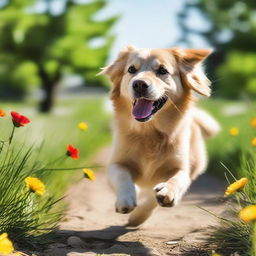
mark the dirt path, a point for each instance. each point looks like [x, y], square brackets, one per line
[92, 227]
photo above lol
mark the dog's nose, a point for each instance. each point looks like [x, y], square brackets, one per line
[140, 87]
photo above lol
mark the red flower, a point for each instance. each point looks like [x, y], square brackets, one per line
[2, 113]
[72, 151]
[19, 120]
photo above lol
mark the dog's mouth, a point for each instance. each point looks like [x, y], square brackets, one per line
[144, 109]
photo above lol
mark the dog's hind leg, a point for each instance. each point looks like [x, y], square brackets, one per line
[146, 203]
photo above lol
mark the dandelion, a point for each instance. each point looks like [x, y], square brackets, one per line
[72, 151]
[89, 174]
[19, 120]
[254, 141]
[2, 113]
[236, 186]
[35, 185]
[6, 246]
[234, 131]
[253, 122]
[248, 213]
[83, 126]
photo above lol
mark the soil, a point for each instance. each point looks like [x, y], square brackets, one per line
[91, 226]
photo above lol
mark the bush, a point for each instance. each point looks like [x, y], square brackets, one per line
[236, 76]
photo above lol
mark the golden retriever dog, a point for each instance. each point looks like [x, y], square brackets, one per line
[158, 141]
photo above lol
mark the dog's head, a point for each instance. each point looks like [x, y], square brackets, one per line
[148, 78]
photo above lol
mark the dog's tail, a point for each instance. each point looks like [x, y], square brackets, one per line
[209, 126]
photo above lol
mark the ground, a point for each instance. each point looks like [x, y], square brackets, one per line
[92, 227]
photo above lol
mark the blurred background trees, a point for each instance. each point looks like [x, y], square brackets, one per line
[37, 48]
[232, 33]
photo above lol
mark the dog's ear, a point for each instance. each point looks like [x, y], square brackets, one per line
[191, 71]
[115, 70]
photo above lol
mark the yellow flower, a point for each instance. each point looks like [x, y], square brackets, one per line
[254, 141]
[234, 187]
[253, 122]
[215, 254]
[83, 126]
[35, 185]
[234, 131]
[6, 246]
[89, 174]
[248, 213]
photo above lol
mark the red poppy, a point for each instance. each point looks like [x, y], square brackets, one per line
[72, 151]
[2, 113]
[19, 120]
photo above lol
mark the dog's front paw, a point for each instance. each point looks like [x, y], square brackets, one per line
[125, 204]
[166, 195]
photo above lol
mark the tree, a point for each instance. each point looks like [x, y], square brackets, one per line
[40, 47]
[232, 33]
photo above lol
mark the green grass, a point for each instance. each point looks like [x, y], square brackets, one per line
[26, 216]
[234, 235]
[52, 132]
[224, 147]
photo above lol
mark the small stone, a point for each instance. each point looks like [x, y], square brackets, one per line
[75, 242]
[118, 249]
[172, 242]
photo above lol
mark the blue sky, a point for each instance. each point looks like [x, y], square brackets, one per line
[143, 23]
[149, 23]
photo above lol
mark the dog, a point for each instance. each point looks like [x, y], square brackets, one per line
[158, 139]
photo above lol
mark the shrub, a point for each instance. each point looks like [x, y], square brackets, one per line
[237, 75]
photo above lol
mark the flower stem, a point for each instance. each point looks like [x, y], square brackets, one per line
[66, 169]
[11, 137]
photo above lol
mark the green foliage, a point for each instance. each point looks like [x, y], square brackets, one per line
[24, 215]
[234, 20]
[45, 128]
[230, 237]
[34, 43]
[229, 113]
[232, 33]
[233, 235]
[237, 75]
[27, 216]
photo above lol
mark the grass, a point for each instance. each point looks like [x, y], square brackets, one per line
[226, 151]
[25, 216]
[224, 147]
[50, 133]
[234, 235]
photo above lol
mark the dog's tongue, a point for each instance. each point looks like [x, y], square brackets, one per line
[142, 108]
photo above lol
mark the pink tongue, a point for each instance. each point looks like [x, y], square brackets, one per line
[142, 108]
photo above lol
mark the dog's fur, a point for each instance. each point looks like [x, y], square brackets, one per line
[162, 156]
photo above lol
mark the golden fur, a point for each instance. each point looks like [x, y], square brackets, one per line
[163, 155]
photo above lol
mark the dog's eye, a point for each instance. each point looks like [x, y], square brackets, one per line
[132, 70]
[162, 71]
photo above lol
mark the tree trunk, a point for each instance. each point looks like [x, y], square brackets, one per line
[49, 85]
[47, 102]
